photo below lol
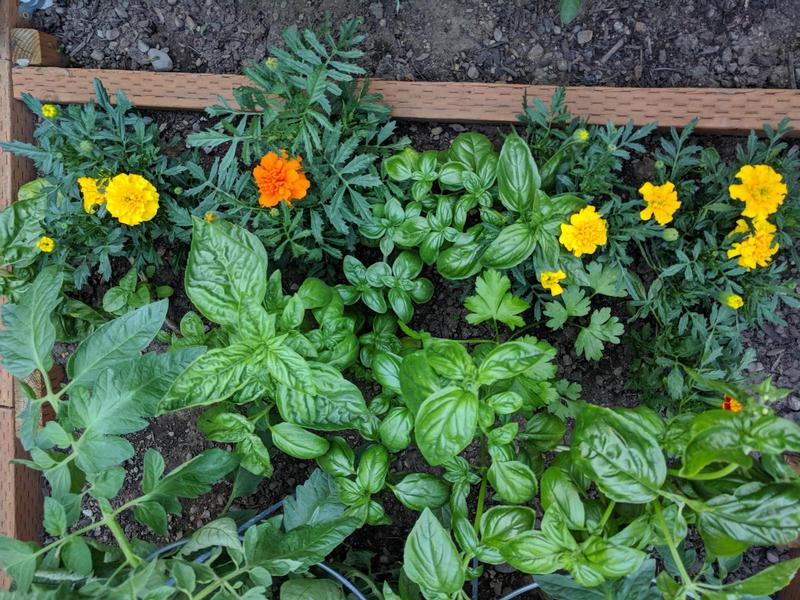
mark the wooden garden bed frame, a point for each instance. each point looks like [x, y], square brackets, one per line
[719, 111]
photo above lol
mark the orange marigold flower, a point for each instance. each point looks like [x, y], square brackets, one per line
[731, 404]
[280, 178]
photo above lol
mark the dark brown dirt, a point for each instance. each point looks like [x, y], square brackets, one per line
[652, 43]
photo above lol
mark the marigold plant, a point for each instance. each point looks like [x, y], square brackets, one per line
[280, 179]
[585, 232]
[551, 281]
[131, 199]
[661, 200]
[761, 189]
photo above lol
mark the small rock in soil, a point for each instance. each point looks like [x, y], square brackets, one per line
[585, 36]
[472, 72]
[159, 60]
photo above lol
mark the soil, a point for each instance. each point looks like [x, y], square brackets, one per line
[651, 43]
[648, 43]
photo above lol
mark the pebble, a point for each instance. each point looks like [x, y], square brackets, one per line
[585, 36]
[159, 60]
[376, 9]
[436, 131]
[773, 557]
[143, 47]
[498, 34]
[794, 403]
[472, 72]
[96, 55]
[536, 52]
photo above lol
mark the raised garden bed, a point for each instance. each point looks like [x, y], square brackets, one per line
[444, 316]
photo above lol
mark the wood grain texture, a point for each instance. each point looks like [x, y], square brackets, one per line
[730, 111]
[37, 48]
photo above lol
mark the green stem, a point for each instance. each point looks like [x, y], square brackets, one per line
[122, 540]
[606, 515]
[662, 523]
[211, 588]
[719, 473]
[482, 491]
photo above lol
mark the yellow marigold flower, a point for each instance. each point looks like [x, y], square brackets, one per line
[210, 217]
[280, 178]
[731, 404]
[757, 249]
[92, 196]
[762, 190]
[661, 200]
[550, 281]
[581, 134]
[271, 63]
[50, 111]
[734, 301]
[46, 244]
[585, 231]
[131, 199]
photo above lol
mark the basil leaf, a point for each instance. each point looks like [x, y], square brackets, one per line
[430, 558]
[514, 244]
[513, 481]
[227, 268]
[418, 491]
[445, 424]
[626, 463]
[559, 491]
[755, 514]
[297, 442]
[517, 176]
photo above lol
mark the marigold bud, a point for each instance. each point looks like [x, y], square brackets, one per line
[670, 234]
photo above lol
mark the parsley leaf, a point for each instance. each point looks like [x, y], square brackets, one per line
[494, 301]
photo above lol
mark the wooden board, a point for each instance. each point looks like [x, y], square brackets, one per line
[727, 111]
[20, 487]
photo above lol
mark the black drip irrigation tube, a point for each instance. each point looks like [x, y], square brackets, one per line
[322, 566]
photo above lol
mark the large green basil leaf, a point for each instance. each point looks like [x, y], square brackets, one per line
[418, 491]
[517, 176]
[514, 244]
[626, 463]
[449, 359]
[756, 514]
[472, 150]
[227, 268]
[770, 580]
[460, 261]
[610, 560]
[501, 524]
[560, 492]
[430, 558]
[386, 369]
[336, 404]
[396, 428]
[445, 424]
[774, 435]
[509, 360]
[543, 432]
[116, 342]
[21, 226]
[373, 468]
[417, 380]
[714, 445]
[27, 341]
[513, 481]
[319, 589]
[534, 552]
[213, 377]
[297, 442]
